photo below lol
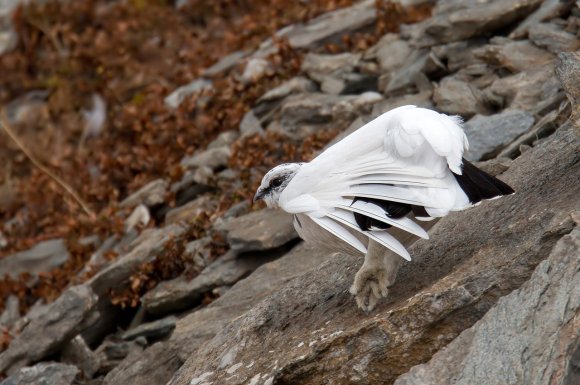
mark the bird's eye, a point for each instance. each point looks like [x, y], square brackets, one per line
[276, 182]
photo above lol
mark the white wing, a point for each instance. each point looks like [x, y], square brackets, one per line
[405, 155]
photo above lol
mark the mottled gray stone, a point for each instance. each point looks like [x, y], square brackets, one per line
[515, 56]
[456, 97]
[301, 110]
[293, 86]
[197, 86]
[41, 258]
[153, 193]
[548, 10]
[553, 38]
[49, 331]
[144, 249]
[568, 70]
[189, 211]
[250, 125]
[225, 64]
[392, 52]
[226, 138]
[159, 362]
[11, 312]
[45, 373]
[259, 230]
[325, 64]
[421, 99]
[528, 338]
[156, 329]
[460, 20]
[330, 25]
[213, 158]
[181, 293]
[77, 353]
[527, 90]
[489, 134]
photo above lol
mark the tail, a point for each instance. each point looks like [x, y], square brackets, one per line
[479, 185]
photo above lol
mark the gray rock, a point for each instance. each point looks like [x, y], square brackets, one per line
[3, 240]
[527, 90]
[421, 99]
[487, 135]
[392, 52]
[568, 70]
[46, 334]
[299, 111]
[293, 86]
[553, 38]
[189, 211]
[41, 258]
[548, 10]
[153, 193]
[153, 330]
[460, 20]
[197, 86]
[256, 68]
[515, 56]
[456, 97]
[11, 312]
[250, 125]
[225, 64]
[77, 353]
[509, 344]
[259, 230]
[213, 158]
[415, 69]
[330, 25]
[180, 293]
[161, 360]
[226, 138]
[198, 252]
[8, 35]
[543, 128]
[44, 374]
[310, 331]
[327, 64]
[145, 248]
[458, 54]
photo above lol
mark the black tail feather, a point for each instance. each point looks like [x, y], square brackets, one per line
[479, 185]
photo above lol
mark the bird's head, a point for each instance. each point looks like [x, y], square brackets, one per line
[274, 182]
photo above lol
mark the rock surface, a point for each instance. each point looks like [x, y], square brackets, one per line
[489, 134]
[546, 308]
[43, 336]
[222, 292]
[43, 374]
[41, 258]
[259, 230]
[308, 331]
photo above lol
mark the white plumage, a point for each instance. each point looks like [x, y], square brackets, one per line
[405, 155]
[408, 159]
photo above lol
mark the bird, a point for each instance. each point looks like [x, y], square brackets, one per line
[379, 189]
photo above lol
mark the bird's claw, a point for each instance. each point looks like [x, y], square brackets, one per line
[370, 285]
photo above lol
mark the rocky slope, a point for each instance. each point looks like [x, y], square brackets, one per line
[491, 298]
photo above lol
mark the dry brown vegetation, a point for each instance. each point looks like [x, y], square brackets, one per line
[134, 54]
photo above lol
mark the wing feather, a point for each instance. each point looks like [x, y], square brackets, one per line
[375, 212]
[337, 230]
[384, 238]
[406, 155]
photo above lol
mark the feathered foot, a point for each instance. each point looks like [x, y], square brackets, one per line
[372, 281]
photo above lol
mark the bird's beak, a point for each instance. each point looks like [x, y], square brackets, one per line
[259, 195]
